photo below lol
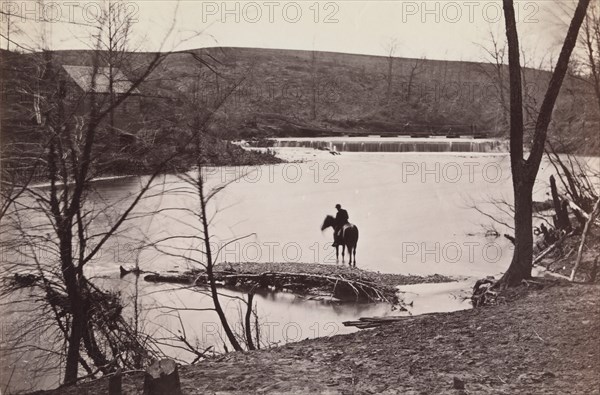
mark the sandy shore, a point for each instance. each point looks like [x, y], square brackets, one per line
[543, 341]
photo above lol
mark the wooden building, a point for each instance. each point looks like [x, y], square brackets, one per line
[105, 83]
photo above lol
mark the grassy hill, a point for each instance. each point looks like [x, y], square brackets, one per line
[270, 92]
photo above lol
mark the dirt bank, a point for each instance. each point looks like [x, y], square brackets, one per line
[544, 342]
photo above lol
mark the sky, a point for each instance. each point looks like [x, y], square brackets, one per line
[444, 29]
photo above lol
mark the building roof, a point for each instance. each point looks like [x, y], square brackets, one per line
[82, 75]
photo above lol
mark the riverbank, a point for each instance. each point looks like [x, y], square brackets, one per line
[140, 160]
[542, 341]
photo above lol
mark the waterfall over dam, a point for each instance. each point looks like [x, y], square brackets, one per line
[396, 144]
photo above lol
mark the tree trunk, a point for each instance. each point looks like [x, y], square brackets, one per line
[209, 262]
[247, 325]
[72, 364]
[73, 291]
[521, 265]
[523, 171]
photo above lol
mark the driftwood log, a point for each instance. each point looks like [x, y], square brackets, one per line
[551, 247]
[134, 270]
[162, 378]
[374, 322]
[588, 225]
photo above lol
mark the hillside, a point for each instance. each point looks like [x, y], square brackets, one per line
[270, 92]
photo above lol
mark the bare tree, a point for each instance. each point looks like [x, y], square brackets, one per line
[524, 171]
[11, 28]
[69, 237]
[198, 124]
[497, 55]
[415, 70]
[64, 235]
[585, 64]
[314, 85]
[113, 44]
[590, 40]
[390, 47]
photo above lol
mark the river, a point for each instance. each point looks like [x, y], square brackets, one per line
[414, 211]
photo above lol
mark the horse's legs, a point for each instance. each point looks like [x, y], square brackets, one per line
[354, 253]
[343, 252]
[350, 255]
[337, 254]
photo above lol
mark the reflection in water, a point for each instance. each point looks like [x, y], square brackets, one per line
[286, 317]
[431, 298]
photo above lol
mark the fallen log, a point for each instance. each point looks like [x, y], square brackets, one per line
[374, 322]
[163, 278]
[578, 209]
[363, 325]
[134, 270]
[581, 212]
[381, 319]
[586, 230]
[551, 248]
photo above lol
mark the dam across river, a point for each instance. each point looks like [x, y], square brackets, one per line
[396, 144]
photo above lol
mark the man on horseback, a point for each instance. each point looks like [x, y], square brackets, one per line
[345, 234]
[341, 219]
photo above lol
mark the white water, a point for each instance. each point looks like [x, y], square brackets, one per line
[396, 144]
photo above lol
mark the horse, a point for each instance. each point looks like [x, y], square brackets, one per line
[349, 238]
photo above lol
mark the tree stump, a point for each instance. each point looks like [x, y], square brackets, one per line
[560, 208]
[114, 383]
[162, 378]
